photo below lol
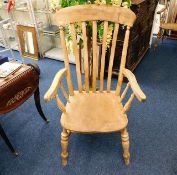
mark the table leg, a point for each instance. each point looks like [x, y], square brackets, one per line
[38, 104]
[5, 138]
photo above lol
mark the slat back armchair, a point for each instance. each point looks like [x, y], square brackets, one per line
[168, 16]
[92, 110]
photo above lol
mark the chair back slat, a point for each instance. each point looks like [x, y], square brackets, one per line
[114, 40]
[86, 60]
[66, 60]
[76, 54]
[123, 61]
[104, 47]
[94, 38]
[93, 62]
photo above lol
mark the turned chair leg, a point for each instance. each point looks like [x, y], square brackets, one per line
[5, 138]
[38, 104]
[125, 145]
[64, 146]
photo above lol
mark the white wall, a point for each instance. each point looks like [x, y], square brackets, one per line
[156, 24]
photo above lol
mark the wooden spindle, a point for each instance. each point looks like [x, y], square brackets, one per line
[86, 63]
[104, 46]
[114, 41]
[66, 60]
[64, 92]
[129, 102]
[123, 61]
[76, 54]
[94, 37]
[125, 91]
[60, 104]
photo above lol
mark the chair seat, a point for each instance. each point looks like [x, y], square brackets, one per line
[94, 112]
[169, 26]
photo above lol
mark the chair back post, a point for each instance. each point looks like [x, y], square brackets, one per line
[123, 61]
[66, 61]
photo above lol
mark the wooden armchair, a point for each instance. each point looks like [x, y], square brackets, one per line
[94, 111]
[168, 19]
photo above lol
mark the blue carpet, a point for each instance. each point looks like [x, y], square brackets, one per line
[152, 128]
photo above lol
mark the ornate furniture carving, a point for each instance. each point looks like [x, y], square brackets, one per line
[139, 36]
[168, 21]
[15, 89]
[91, 110]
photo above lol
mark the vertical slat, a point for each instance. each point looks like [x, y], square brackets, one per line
[125, 91]
[114, 40]
[60, 104]
[86, 65]
[104, 46]
[66, 60]
[123, 61]
[76, 54]
[94, 37]
[64, 92]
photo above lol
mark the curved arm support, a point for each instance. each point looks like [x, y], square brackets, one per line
[52, 91]
[134, 85]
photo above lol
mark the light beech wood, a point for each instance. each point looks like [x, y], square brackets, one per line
[96, 111]
[129, 102]
[125, 91]
[60, 104]
[66, 60]
[92, 12]
[64, 146]
[114, 40]
[52, 91]
[76, 54]
[86, 61]
[64, 92]
[169, 26]
[104, 46]
[94, 56]
[125, 145]
[123, 61]
[134, 85]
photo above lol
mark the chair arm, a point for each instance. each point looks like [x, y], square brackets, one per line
[134, 85]
[161, 11]
[52, 91]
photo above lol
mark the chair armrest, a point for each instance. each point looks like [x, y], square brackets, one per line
[52, 91]
[134, 85]
[161, 11]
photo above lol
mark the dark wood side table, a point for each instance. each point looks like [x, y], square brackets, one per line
[15, 90]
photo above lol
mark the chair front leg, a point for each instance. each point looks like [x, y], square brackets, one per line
[125, 145]
[64, 146]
